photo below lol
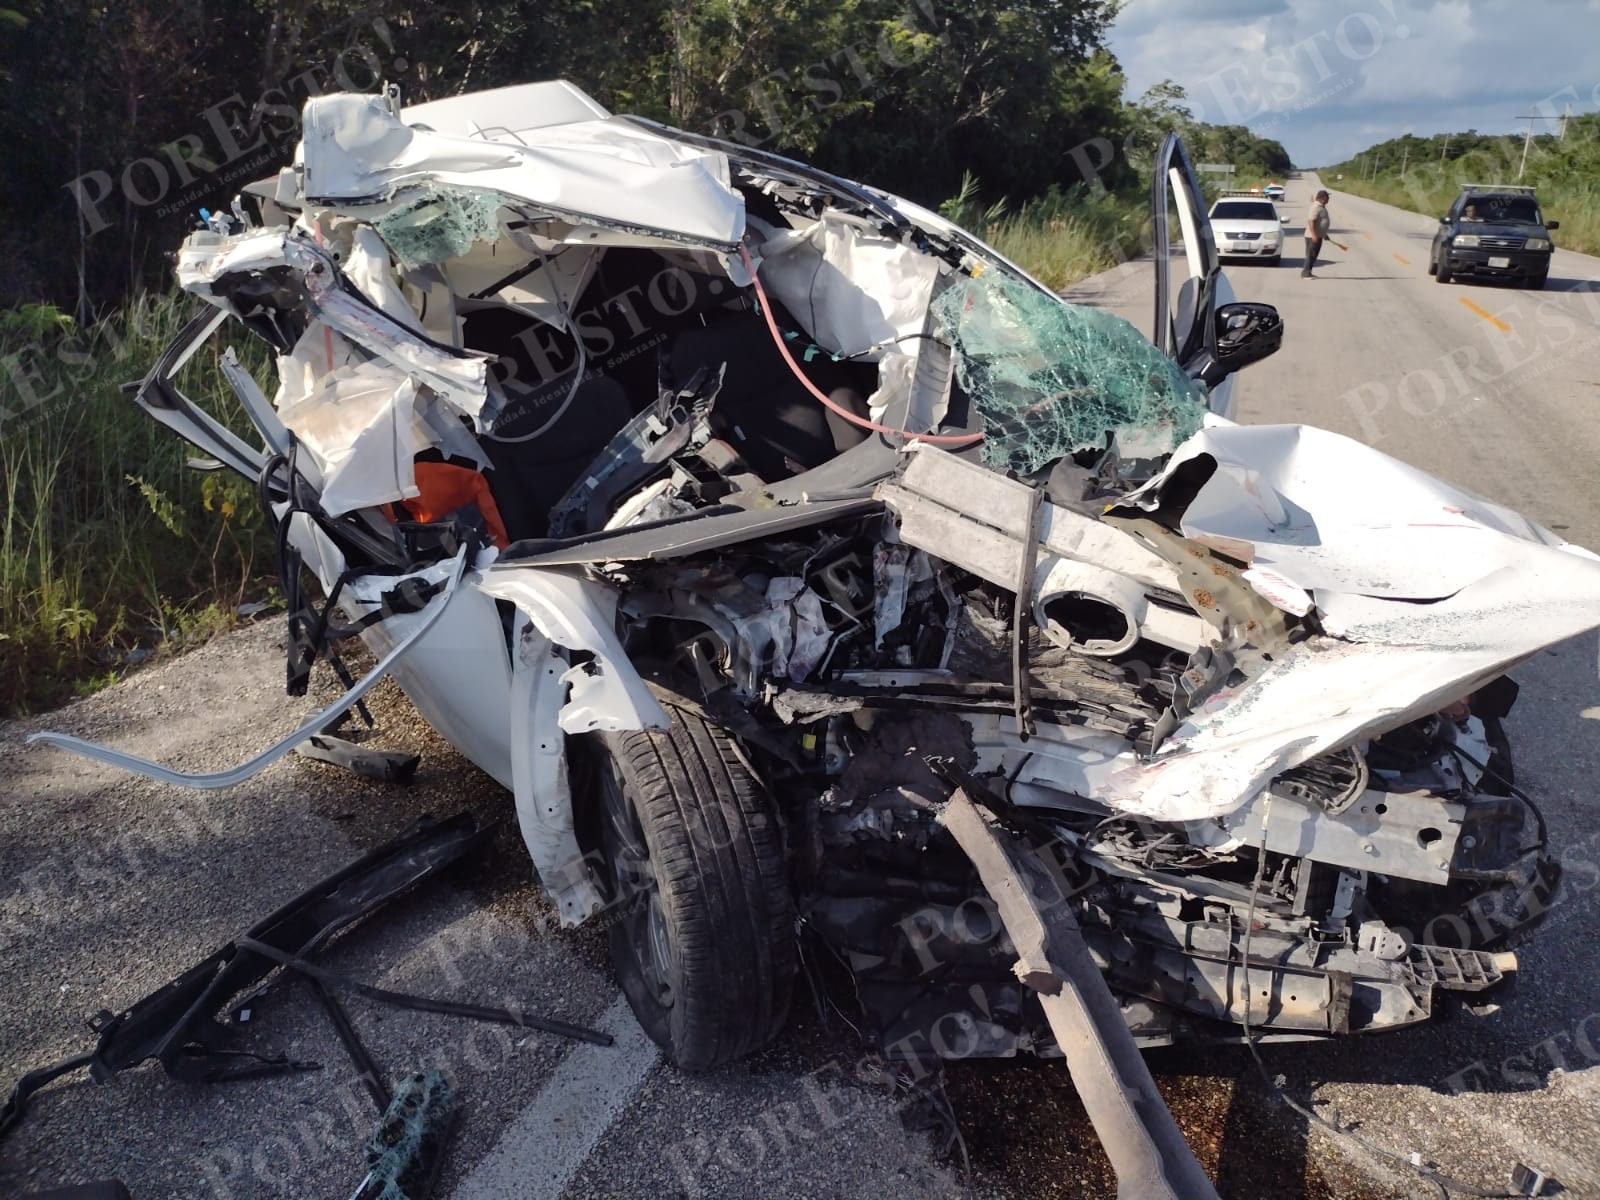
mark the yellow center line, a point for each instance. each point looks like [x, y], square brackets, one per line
[1487, 316]
[1404, 262]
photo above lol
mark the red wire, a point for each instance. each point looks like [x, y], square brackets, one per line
[945, 439]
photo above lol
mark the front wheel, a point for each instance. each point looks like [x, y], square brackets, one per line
[1537, 282]
[702, 932]
[1442, 273]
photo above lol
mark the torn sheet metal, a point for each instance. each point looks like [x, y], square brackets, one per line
[1325, 693]
[354, 151]
[367, 266]
[540, 781]
[458, 377]
[551, 699]
[363, 427]
[1368, 538]
[606, 692]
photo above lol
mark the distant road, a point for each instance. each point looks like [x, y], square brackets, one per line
[1497, 390]
[1493, 388]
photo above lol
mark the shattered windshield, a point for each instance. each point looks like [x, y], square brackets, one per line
[1052, 378]
[439, 226]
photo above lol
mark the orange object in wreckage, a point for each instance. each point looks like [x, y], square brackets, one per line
[444, 488]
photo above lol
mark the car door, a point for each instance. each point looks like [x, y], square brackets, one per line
[1175, 187]
[1185, 325]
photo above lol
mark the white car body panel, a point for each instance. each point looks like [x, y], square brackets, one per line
[365, 390]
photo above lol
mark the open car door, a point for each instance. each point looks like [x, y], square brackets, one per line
[1198, 321]
[1179, 325]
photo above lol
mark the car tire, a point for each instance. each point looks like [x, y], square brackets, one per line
[702, 929]
[1442, 272]
[1433, 265]
[1536, 283]
[1275, 260]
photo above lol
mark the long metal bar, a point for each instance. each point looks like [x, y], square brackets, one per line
[216, 780]
[1146, 1148]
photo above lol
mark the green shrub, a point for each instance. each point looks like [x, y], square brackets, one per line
[108, 541]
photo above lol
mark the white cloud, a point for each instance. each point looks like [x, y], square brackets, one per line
[1313, 73]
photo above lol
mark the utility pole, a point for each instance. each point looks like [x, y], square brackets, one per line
[1405, 158]
[1528, 139]
[1444, 150]
[1565, 117]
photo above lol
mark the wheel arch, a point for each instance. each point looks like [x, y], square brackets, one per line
[570, 676]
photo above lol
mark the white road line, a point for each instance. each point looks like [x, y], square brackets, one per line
[542, 1149]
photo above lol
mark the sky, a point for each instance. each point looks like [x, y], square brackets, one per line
[1328, 78]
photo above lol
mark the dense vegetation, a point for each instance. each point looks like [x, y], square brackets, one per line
[123, 120]
[1426, 174]
[109, 544]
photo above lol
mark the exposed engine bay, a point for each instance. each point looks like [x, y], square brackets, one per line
[705, 431]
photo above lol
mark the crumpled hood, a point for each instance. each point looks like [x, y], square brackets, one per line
[1424, 593]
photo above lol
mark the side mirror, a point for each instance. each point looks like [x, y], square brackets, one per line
[1445, 220]
[1246, 333]
[1552, 224]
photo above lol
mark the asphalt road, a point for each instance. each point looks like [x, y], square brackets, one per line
[110, 886]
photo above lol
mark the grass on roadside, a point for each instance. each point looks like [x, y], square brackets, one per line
[109, 544]
[1060, 237]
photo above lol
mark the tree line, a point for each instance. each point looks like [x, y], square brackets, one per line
[1561, 150]
[125, 117]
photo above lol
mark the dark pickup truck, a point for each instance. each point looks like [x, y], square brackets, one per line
[1496, 232]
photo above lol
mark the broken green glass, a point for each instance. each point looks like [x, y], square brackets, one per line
[404, 1152]
[1051, 378]
[440, 226]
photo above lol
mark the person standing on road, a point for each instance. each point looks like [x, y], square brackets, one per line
[1317, 225]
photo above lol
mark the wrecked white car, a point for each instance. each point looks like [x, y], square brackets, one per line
[738, 517]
